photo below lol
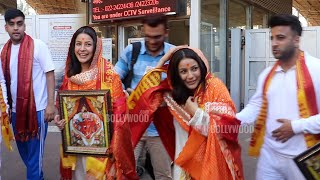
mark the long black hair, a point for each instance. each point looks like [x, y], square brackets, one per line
[180, 91]
[74, 66]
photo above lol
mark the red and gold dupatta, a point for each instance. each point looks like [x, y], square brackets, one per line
[122, 165]
[306, 101]
[214, 157]
[26, 118]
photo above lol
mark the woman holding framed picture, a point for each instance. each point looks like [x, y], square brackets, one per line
[86, 69]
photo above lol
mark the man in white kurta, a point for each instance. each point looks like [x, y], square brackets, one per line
[279, 149]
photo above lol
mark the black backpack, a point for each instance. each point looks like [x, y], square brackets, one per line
[135, 53]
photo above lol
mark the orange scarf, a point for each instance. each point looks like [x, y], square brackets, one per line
[102, 76]
[217, 156]
[6, 130]
[306, 101]
[26, 118]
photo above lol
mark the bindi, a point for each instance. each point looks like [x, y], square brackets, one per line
[188, 65]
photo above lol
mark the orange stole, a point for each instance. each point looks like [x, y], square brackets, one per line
[306, 101]
[211, 157]
[149, 80]
[147, 97]
[124, 163]
[6, 131]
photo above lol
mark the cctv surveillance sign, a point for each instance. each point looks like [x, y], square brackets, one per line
[106, 10]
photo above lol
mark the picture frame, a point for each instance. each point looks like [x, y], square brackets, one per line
[88, 128]
[309, 162]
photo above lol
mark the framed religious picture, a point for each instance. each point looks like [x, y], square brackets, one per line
[309, 162]
[88, 126]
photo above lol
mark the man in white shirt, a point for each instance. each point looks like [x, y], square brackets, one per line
[286, 104]
[29, 74]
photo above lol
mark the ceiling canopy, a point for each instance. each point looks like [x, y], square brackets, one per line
[57, 6]
[310, 9]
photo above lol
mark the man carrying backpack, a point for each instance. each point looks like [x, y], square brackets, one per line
[131, 69]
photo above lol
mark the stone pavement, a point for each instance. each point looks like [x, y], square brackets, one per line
[13, 168]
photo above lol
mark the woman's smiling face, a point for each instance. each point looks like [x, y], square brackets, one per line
[189, 72]
[84, 48]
